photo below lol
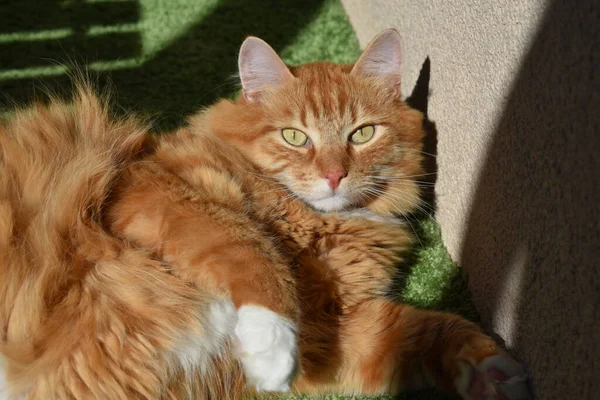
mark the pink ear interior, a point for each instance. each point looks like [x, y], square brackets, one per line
[260, 68]
[382, 58]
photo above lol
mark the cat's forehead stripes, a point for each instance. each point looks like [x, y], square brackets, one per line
[323, 101]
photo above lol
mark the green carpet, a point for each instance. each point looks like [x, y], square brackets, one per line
[168, 58]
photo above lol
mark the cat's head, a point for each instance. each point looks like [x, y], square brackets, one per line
[338, 136]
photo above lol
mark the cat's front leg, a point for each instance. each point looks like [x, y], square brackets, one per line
[215, 246]
[263, 292]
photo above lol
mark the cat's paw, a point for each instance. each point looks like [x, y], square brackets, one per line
[268, 348]
[497, 377]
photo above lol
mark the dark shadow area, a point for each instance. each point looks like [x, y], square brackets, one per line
[425, 394]
[461, 305]
[532, 245]
[38, 38]
[106, 47]
[47, 32]
[40, 15]
[206, 56]
[403, 269]
[419, 99]
[197, 68]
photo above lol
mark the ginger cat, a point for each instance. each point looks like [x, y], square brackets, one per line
[250, 251]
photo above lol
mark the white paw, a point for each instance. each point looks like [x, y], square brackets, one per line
[196, 347]
[498, 377]
[268, 348]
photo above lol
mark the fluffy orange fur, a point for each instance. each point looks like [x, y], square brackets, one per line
[115, 245]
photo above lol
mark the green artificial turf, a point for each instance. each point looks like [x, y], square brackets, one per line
[168, 58]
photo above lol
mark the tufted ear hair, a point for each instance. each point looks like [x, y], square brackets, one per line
[260, 68]
[382, 58]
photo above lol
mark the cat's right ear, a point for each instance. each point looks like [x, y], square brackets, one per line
[260, 68]
[383, 59]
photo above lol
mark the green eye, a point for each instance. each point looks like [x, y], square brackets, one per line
[363, 134]
[294, 137]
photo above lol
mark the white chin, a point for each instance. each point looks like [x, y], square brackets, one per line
[328, 204]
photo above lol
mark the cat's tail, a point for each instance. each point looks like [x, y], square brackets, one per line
[83, 313]
[58, 163]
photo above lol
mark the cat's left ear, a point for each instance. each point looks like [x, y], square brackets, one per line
[382, 58]
[260, 68]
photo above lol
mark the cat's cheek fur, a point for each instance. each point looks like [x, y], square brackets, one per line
[268, 348]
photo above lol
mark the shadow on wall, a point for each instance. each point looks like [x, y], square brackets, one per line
[189, 73]
[419, 99]
[533, 241]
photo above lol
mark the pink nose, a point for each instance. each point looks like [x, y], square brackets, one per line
[334, 177]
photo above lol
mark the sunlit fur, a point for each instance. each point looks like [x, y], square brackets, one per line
[328, 104]
[352, 339]
[115, 250]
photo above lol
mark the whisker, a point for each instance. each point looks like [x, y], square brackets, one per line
[396, 194]
[280, 201]
[397, 209]
[398, 179]
[419, 151]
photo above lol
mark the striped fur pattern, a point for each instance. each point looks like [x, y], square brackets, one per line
[139, 267]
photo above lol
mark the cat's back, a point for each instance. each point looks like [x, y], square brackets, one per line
[212, 167]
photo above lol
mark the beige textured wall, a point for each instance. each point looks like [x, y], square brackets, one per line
[515, 98]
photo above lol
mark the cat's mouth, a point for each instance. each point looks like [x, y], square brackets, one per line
[321, 197]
